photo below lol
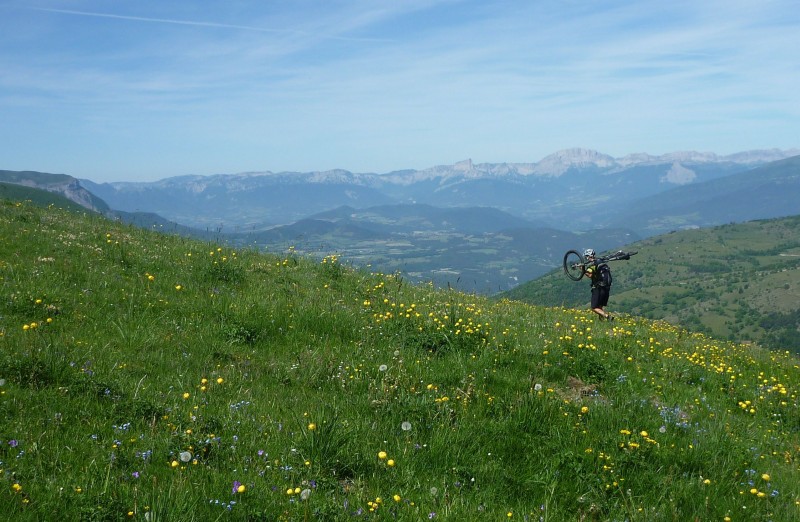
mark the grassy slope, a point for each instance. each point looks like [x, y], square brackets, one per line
[723, 281]
[37, 197]
[152, 377]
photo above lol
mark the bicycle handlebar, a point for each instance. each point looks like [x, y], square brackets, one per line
[616, 256]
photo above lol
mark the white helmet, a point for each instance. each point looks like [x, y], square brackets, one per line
[589, 252]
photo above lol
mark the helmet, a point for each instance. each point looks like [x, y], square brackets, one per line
[589, 252]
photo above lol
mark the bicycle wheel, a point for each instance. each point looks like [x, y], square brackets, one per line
[573, 265]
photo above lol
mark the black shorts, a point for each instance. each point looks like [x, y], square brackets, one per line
[600, 296]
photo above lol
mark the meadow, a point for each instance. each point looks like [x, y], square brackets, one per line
[151, 377]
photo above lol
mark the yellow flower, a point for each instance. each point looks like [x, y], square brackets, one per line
[220, 380]
[186, 395]
[396, 498]
[16, 487]
[312, 426]
[390, 463]
[240, 489]
[174, 464]
[178, 287]
[381, 455]
[765, 476]
[585, 409]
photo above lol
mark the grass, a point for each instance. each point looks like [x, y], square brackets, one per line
[152, 377]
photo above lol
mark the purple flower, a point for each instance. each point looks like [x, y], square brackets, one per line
[236, 485]
[432, 514]
[13, 443]
[135, 474]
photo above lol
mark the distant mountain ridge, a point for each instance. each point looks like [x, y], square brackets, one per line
[550, 190]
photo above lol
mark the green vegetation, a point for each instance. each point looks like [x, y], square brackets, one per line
[37, 197]
[148, 377]
[739, 282]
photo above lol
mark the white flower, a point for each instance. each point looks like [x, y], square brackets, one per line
[406, 426]
[305, 494]
[383, 367]
[185, 456]
[537, 387]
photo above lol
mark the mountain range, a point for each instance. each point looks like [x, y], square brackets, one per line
[480, 227]
[580, 187]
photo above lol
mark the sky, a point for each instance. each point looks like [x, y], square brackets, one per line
[115, 90]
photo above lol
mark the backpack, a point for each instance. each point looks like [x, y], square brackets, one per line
[605, 278]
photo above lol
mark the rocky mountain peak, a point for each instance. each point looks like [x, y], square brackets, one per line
[559, 162]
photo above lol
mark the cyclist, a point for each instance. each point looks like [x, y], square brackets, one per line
[600, 276]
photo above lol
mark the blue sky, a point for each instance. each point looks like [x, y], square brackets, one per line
[113, 90]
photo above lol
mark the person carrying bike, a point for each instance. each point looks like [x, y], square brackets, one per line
[600, 276]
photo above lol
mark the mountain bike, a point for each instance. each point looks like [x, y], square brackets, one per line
[574, 262]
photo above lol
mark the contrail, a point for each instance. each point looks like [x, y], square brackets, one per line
[158, 20]
[192, 23]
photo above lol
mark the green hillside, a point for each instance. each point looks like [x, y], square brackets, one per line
[37, 197]
[153, 377]
[738, 282]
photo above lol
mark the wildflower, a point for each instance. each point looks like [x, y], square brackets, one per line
[174, 464]
[312, 426]
[406, 426]
[178, 287]
[537, 387]
[396, 498]
[16, 487]
[238, 487]
[585, 409]
[390, 463]
[185, 456]
[383, 367]
[220, 380]
[765, 477]
[381, 455]
[305, 494]
[186, 395]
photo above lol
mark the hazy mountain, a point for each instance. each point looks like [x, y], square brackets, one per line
[570, 183]
[768, 191]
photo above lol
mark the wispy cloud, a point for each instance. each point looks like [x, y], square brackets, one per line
[379, 84]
